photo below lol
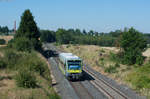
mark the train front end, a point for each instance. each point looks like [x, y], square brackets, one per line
[74, 68]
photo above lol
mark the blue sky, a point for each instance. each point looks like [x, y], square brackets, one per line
[98, 15]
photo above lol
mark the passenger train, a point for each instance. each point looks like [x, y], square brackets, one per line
[72, 65]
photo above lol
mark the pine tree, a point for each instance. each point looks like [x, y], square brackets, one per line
[29, 29]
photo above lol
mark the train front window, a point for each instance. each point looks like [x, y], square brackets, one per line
[74, 65]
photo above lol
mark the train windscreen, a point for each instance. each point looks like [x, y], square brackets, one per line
[74, 64]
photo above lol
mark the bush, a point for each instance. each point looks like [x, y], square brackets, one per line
[11, 57]
[111, 69]
[133, 44]
[140, 60]
[54, 96]
[33, 63]
[22, 44]
[2, 64]
[2, 41]
[25, 79]
[38, 67]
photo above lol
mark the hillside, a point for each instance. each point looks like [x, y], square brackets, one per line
[11, 87]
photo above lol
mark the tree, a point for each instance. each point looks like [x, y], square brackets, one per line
[63, 36]
[28, 29]
[47, 36]
[84, 32]
[133, 44]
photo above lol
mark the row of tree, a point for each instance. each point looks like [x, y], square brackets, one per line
[76, 36]
[4, 29]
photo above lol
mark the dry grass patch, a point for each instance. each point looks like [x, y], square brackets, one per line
[6, 38]
[9, 90]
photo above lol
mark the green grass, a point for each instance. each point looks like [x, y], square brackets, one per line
[140, 79]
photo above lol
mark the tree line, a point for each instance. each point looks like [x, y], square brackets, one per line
[4, 29]
[77, 36]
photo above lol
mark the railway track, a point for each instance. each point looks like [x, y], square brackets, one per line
[81, 91]
[105, 87]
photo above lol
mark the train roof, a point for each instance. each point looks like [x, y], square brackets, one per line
[69, 56]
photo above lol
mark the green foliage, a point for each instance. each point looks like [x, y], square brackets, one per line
[4, 30]
[2, 64]
[25, 79]
[29, 30]
[140, 77]
[110, 69]
[115, 57]
[140, 60]
[72, 36]
[142, 82]
[2, 41]
[116, 33]
[22, 44]
[32, 63]
[37, 66]
[101, 61]
[12, 58]
[63, 36]
[54, 96]
[15, 60]
[133, 44]
[47, 36]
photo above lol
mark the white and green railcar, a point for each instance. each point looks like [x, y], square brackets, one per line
[72, 65]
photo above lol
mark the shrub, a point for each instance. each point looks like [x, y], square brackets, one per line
[33, 63]
[139, 60]
[133, 44]
[54, 96]
[25, 79]
[38, 67]
[2, 41]
[11, 57]
[101, 59]
[111, 69]
[22, 44]
[114, 57]
[2, 64]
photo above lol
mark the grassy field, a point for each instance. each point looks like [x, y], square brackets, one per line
[102, 59]
[17, 62]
